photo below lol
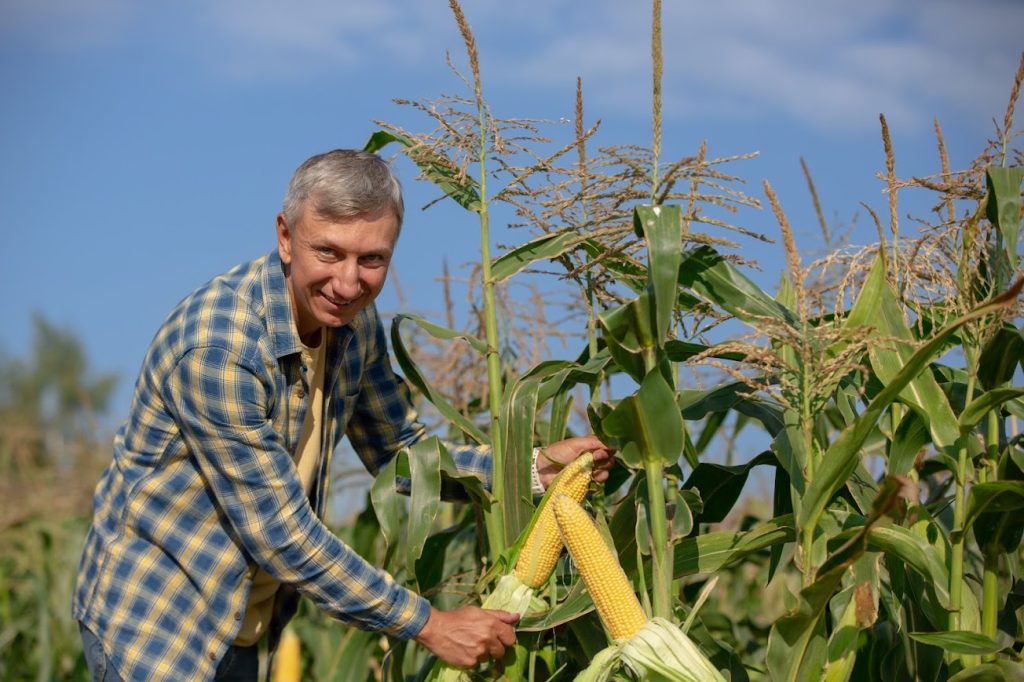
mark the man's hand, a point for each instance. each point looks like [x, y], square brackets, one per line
[468, 636]
[554, 457]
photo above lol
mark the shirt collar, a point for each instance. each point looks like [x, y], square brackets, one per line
[280, 311]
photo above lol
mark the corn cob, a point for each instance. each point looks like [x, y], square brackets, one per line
[543, 545]
[288, 659]
[613, 595]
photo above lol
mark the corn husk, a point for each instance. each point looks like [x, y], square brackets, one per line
[661, 652]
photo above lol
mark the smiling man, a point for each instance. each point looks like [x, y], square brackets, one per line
[207, 522]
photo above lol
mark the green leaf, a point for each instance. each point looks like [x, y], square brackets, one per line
[712, 552]
[999, 671]
[994, 496]
[843, 455]
[387, 503]
[714, 279]
[629, 335]
[547, 247]
[720, 486]
[1003, 206]
[647, 425]
[1000, 356]
[661, 228]
[985, 403]
[435, 168]
[911, 435]
[425, 496]
[958, 642]
[416, 378]
[877, 309]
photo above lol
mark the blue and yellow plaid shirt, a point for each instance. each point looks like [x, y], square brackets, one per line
[202, 488]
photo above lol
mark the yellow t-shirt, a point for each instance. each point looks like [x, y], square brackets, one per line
[264, 586]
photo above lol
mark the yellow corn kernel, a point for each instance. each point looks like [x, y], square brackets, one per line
[543, 545]
[288, 658]
[613, 595]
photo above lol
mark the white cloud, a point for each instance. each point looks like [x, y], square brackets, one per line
[833, 65]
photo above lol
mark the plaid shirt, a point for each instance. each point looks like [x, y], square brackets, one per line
[202, 488]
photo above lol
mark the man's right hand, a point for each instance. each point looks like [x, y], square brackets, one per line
[468, 636]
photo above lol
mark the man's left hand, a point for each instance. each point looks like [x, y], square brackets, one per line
[554, 457]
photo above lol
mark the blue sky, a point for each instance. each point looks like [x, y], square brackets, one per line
[145, 146]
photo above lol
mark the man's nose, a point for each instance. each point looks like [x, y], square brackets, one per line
[346, 280]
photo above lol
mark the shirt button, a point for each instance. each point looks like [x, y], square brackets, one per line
[213, 656]
[301, 392]
[238, 615]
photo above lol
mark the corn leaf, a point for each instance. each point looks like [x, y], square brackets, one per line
[1000, 357]
[958, 642]
[1003, 206]
[629, 336]
[911, 435]
[647, 425]
[876, 308]
[416, 378]
[714, 279]
[985, 403]
[712, 552]
[661, 228]
[843, 455]
[425, 496]
[1000, 671]
[720, 485]
[435, 168]
[543, 248]
[994, 496]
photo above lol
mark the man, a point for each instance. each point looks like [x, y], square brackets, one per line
[207, 521]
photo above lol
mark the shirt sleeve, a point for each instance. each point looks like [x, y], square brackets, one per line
[222, 407]
[385, 422]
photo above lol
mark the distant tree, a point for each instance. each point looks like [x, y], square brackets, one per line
[50, 403]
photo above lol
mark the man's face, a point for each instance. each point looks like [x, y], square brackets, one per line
[335, 267]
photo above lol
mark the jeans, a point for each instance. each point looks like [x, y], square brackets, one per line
[240, 663]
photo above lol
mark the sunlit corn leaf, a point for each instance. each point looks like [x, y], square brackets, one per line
[876, 308]
[1003, 207]
[958, 642]
[438, 170]
[843, 454]
[546, 247]
[714, 279]
[415, 377]
[661, 228]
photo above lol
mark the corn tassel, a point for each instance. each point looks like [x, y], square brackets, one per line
[613, 595]
[543, 544]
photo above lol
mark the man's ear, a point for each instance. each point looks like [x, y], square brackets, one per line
[284, 240]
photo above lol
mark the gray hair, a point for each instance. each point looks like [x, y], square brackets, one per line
[341, 184]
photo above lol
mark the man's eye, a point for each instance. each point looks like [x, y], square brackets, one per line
[373, 259]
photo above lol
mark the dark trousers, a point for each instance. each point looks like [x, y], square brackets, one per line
[240, 663]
